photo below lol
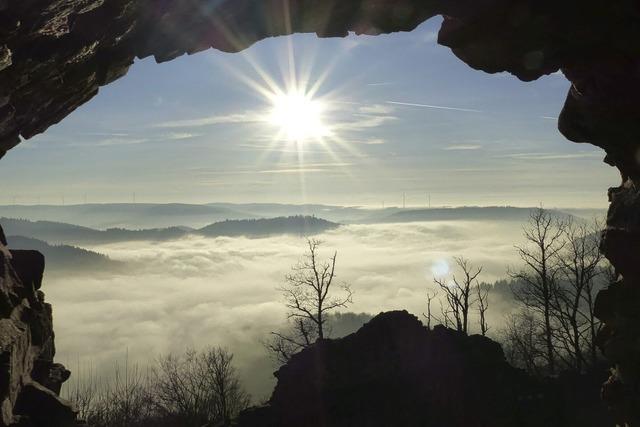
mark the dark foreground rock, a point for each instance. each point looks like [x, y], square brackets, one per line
[396, 372]
[29, 379]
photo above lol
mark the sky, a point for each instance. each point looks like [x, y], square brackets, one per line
[383, 116]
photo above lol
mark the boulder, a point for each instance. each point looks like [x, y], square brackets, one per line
[396, 372]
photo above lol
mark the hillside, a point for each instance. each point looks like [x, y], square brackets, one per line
[57, 232]
[297, 225]
[126, 215]
[69, 259]
[61, 233]
[465, 213]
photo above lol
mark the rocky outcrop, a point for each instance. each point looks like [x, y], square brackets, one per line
[55, 54]
[29, 379]
[396, 372]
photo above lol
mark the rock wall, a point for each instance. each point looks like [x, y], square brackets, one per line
[29, 379]
[55, 54]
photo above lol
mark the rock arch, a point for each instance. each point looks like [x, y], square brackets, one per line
[55, 54]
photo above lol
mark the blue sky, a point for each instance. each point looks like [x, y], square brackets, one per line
[192, 130]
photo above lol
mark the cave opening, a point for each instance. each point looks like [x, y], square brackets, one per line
[55, 59]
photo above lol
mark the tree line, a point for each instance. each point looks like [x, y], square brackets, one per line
[554, 327]
[192, 389]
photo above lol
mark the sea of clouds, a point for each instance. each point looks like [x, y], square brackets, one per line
[198, 291]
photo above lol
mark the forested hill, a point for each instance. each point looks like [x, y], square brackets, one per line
[468, 213]
[61, 233]
[297, 225]
[64, 257]
[58, 232]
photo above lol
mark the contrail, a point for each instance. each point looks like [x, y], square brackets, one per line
[438, 107]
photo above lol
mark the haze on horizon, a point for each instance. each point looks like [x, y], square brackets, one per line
[400, 115]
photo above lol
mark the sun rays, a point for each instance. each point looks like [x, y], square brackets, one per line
[300, 116]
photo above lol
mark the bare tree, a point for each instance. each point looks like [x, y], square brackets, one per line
[307, 289]
[458, 293]
[192, 389]
[309, 295]
[428, 315]
[82, 391]
[581, 263]
[523, 342]
[198, 388]
[445, 313]
[124, 400]
[545, 238]
[229, 398]
[300, 333]
[482, 298]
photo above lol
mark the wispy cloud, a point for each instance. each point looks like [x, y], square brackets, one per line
[245, 117]
[181, 135]
[552, 156]
[437, 107]
[127, 139]
[381, 84]
[119, 141]
[366, 117]
[462, 147]
[282, 168]
[364, 121]
[376, 109]
[372, 141]
[293, 170]
[548, 118]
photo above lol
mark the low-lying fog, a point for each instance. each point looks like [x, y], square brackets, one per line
[201, 291]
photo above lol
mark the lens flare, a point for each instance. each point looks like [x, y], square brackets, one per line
[440, 268]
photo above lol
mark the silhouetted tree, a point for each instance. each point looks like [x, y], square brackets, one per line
[124, 400]
[482, 291]
[190, 390]
[545, 236]
[459, 293]
[581, 264]
[523, 342]
[82, 391]
[309, 294]
[430, 297]
[301, 333]
[198, 388]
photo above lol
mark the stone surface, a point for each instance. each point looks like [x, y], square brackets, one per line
[55, 54]
[29, 380]
[396, 372]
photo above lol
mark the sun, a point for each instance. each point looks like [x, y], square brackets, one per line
[298, 116]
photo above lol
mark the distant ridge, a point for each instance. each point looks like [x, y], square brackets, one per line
[61, 233]
[65, 257]
[139, 216]
[126, 215]
[470, 213]
[299, 225]
[57, 232]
